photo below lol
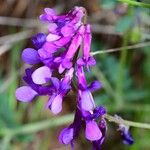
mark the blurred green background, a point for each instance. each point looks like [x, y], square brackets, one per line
[125, 73]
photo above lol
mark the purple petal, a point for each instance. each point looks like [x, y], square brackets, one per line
[30, 56]
[52, 27]
[66, 136]
[56, 105]
[41, 75]
[67, 30]
[69, 73]
[95, 85]
[87, 102]
[44, 54]
[81, 62]
[50, 100]
[62, 41]
[52, 37]
[61, 69]
[99, 111]
[49, 47]
[126, 136]
[50, 11]
[25, 94]
[66, 63]
[92, 131]
[81, 78]
[55, 82]
[91, 61]
[74, 46]
[87, 42]
[39, 39]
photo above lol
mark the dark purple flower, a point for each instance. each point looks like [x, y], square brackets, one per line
[69, 134]
[126, 136]
[38, 40]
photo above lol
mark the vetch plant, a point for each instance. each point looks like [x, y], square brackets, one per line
[59, 61]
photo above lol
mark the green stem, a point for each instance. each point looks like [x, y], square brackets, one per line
[126, 122]
[35, 127]
[134, 3]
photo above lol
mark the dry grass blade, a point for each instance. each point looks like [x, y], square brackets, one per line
[4, 48]
[19, 22]
[16, 37]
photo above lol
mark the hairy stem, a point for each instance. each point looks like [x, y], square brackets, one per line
[126, 122]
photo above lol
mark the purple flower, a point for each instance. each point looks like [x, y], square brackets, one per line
[126, 136]
[86, 100]
[38, 40]
[69, 134]
[59, 89]
[54, 65]
[94, 131]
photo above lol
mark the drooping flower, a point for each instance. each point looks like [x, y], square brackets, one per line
[125, 134]
[69, 134]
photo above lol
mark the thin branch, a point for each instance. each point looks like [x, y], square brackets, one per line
[131, 47]
[119, 120]
[19, 22]
[16, 37]
[8, 40]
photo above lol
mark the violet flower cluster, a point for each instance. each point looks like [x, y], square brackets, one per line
[59, 58]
